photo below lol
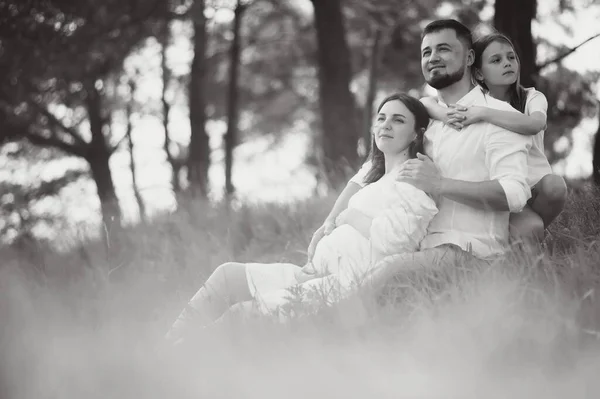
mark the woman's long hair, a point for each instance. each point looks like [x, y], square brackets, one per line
[517, 93]
[421, 121]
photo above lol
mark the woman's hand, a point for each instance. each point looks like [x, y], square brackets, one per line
[329, 226]
[346, 216]
[460, 116]
[312, 246]
[326, 229]
[306, 273]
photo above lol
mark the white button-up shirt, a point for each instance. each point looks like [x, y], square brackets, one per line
[478, 152]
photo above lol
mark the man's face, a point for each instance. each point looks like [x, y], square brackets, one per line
[444, 58]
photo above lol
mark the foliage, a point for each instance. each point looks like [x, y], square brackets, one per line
[498, 321]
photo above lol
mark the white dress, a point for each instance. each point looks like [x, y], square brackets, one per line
[401, 214]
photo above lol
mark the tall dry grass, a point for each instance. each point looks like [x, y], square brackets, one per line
[89, 323]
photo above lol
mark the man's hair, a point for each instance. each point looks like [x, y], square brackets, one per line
[462, 32]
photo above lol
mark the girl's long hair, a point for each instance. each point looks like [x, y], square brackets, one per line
[517, 93]
[421, 121]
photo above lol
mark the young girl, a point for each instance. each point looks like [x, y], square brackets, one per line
[496, 69]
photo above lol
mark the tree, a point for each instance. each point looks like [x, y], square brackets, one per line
[596, 152]
[176, 162]
[231, 134]
[339, 122]
[513, 18]
[132, 165]
[199, 151]
[77, 52]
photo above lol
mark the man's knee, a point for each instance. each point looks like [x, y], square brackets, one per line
[553, 188]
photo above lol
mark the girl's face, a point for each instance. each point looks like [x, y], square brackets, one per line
[394, 128]
[499, 65]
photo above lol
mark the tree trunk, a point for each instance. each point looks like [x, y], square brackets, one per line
[166, 109]
[339, 117]
[513, 18]
[596, 153]
[136, 192]
[371, 90]
[98, 156]
[199, 151]
[231, 136]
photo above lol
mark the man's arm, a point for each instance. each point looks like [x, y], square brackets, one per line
[482, 195]
[506, 161]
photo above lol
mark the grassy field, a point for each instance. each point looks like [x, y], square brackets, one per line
[89, 323]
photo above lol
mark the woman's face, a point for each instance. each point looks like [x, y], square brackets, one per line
[394, 128]
[499, 65]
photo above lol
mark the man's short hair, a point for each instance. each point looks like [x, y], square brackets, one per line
[462, 32]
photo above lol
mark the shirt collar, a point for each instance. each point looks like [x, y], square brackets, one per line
[474, 96]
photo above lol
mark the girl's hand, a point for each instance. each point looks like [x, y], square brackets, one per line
[459, 117]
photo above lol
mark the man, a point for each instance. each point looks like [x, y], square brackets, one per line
[478, 174]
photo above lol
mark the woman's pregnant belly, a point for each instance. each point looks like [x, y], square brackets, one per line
[344, 252]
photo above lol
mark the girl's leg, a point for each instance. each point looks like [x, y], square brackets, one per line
[227, 285]
[526, 227]
[550, 199]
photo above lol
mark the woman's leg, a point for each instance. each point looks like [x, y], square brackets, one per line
[227, 285]
[550, 199]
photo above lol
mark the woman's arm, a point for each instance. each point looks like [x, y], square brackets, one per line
[517, 122]
[357, 219]
[341, 203]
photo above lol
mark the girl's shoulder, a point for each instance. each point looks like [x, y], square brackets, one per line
[532, 93]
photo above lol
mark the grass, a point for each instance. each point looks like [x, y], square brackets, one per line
[89, 323]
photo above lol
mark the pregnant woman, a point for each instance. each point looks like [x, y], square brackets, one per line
[384, 218]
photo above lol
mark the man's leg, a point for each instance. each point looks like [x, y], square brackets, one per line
[227, 285]
[438, 258]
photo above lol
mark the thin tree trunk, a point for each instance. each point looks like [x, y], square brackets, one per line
[231, 136]
[513, 18]
[199, 151]
[166, 109]
[136, 191]
[596, 153]
[371, 89]
[340, 122]
[98, 156]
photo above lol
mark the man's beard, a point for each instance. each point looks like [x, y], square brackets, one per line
[442, 81]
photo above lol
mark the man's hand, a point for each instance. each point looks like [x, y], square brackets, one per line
[421, 173]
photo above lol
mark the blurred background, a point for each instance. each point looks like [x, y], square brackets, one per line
[114, 112]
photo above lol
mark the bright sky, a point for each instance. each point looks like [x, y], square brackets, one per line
[263, 173]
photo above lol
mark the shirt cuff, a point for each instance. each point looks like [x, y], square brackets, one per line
[517, 194]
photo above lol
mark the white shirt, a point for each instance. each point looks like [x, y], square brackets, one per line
[537, 161]
[478, 152]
